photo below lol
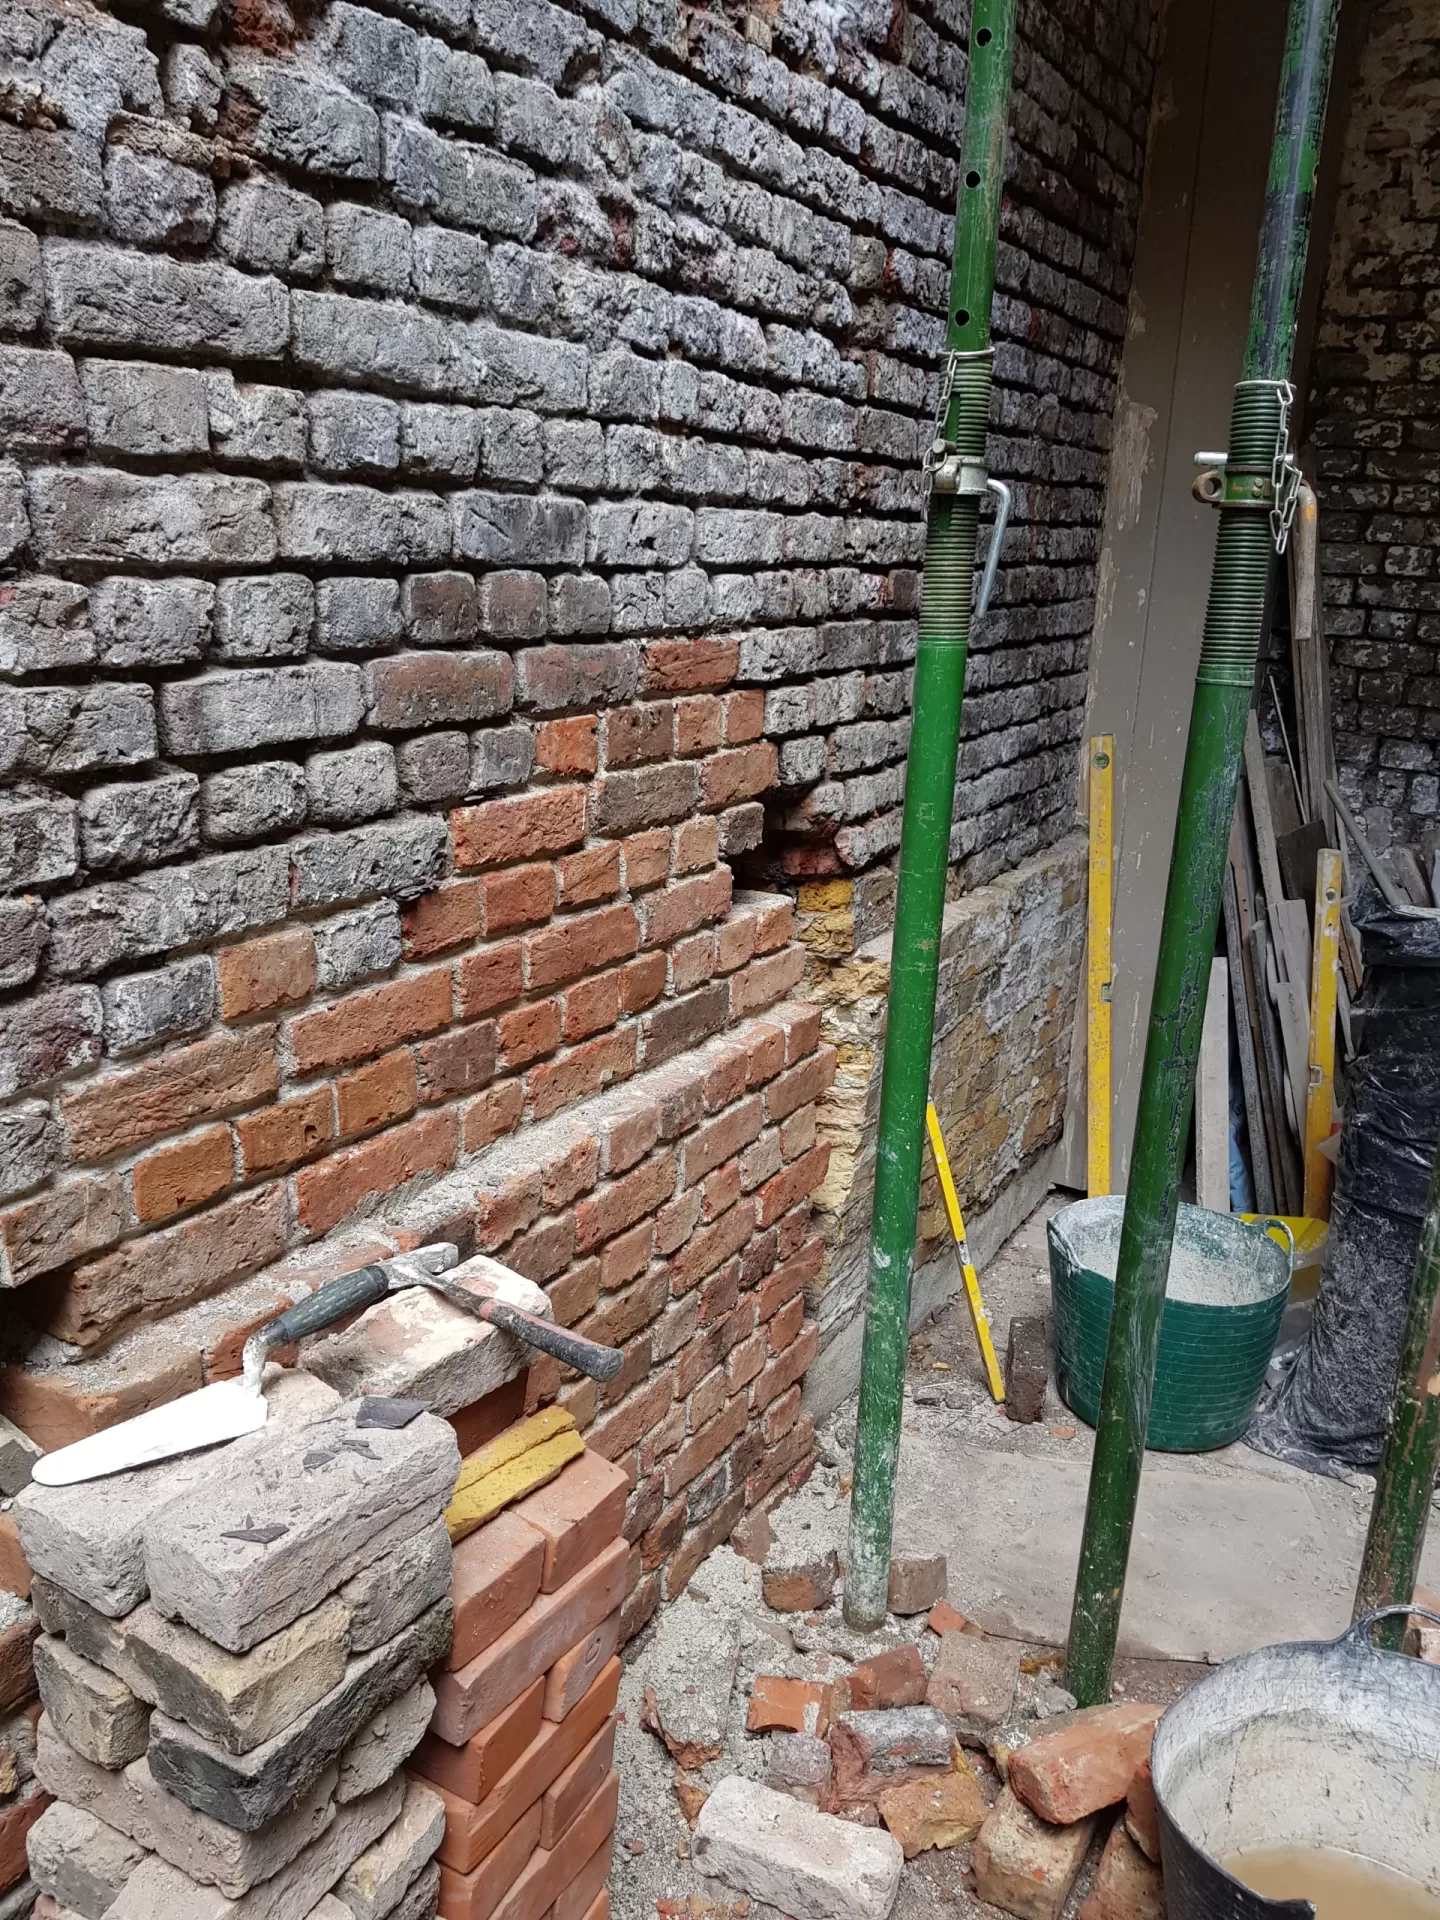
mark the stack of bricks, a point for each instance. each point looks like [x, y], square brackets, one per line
[22, 1800]
[233, 1670]
[522, 1744]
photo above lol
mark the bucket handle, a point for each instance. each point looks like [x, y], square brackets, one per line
[1268, 1220]
[1357, 1639]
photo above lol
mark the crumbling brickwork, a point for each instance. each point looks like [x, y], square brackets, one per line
[1374, 418]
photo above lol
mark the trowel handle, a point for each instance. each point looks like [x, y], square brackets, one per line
[351, 1293]
[586, 1356]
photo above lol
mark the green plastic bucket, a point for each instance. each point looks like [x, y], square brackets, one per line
[1224, 1298]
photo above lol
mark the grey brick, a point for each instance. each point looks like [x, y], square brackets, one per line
[552, 678]
[272, 228]
[439, 442]
[403, 858]
[357, 945]
[367, 248]
[440, 609]
[174, 907]
[455, 89]
[95, 68]
[433, 768]
[14, 515]
[140, 823]
[22, 292]
[47, 730]
[255, 426]
[38, 842]
[51, 1034]
[642, 533]
[358, 612]
[248, 803]
[41, 410]
[500, 757]
[412, 690]
[737, 537]
[536, 36]
[44, 624]
[522, 284]
[151, 623]
[157, 412]
[305, 121]
[155, 203]
[624, 387]
[527, 370]
[510, 446]
[192, 85]
[450, 268]
[513, 605]
[263, 616]
[370, 54]
[23, 936]
[507, 529]
[531, 119]
[353, 784]
[461, 184]
[143, 1008]
[579, 603]
[50, 176]
[32, 1147]
[335, 524]
[107, 297]
[353, 433]
[575, 453]
[230, 712]
[97, 517]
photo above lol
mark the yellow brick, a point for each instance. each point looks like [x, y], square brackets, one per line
[515, 1440]
[825, 896]
[481, 1499]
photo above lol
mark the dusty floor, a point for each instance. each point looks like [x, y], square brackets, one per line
[1232, 1550]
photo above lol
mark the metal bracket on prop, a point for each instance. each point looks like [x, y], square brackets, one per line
[997, 536]
[1273, 488]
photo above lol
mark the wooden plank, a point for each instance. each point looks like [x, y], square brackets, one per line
[1285, 1162]
[1245, 1041]
[1271, 1092]
[1258, 787]
[1320, 1100]
[1212, 1096]
[1098, 1158]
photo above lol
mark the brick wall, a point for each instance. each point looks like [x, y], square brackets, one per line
[1374, 418]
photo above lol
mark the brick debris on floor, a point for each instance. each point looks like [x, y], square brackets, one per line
[775, 1762]
[359, 1665]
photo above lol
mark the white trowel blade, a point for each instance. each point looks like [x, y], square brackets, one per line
[220, 1412]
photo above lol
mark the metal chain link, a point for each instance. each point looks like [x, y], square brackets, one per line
[939, 446]
[1285, 474]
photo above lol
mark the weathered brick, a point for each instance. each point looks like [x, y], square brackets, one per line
[371, 1023]
[327, 1192]
[198, 1082]
[503, 830]
[436, 689]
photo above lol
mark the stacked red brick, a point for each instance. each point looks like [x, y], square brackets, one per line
[233, 1671]
[523, 1738]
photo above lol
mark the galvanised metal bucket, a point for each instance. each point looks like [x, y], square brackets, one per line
[1321, 1743]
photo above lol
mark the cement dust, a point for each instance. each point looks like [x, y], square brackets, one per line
[1343, 1886]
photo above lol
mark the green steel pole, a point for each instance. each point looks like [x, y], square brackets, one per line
[1255, 493]
[956, 476]
[1412, 1446]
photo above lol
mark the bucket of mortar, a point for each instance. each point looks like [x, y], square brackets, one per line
[1224, 1299]
[1323, 1743]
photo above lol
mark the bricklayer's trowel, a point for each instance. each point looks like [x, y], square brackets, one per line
[229, 1408]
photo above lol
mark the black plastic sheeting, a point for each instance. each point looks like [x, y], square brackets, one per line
[1330, 1410]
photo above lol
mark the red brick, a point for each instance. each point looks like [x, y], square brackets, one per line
[1069, 1775]
[744, 716]
[726, 1074]
[643, 982]
[176, 1178]
[784, 1325]
[702, 1541]
[647, 858]
[489, 1415]
[778, 1705]
[15, 1573]
[592, 875]
[680, 909]
[697, 844]
[720, 1139]
[497, 1574]
[738, 773]
[685, 666]
[326, 1193]
[551, 1871]
[592, 1005]
[638, 733]
[583, 1071]
[708, 1248]
[698, 722]
[545, 1252]
[529, 1032]
[460, 1061]
[576, 1515]
[410, 690]
[793, 1461]
[575, 1293]
[186, 1084]
[20, 1815]
[477, 1895]
[626, 1256]
[895, 1678]
[54, 1409]
[438, 921]
[802, 1030]
[489, 978]
[516, 897]
[280, 1137]
[707, 1445]
[495, 1113]
[719, 1293]
[760, 1255]
[706, 1401]
[568, 746]
[721, 1190]
[565, 1176]
[468, 1698]
[579, 1400]
[623, 1202]
[576, 1671]
[471, 1772]
[793, 1277]
[52, 1229]
[746, 1360]
[581, 945]
[273, 972]
[383, 1091]
[788, 1367]
[775, 927]
[794, 1229]
[780, 1416]
[363, 1025]
[765, 981]
[692, 962]
[587, 1897]
[765, 1051]
[675, 1224]
[621, 1315]
[633, 1418]
[796, 1183]
[507, 1209]
[504, 830]
[568, 1793]
[801, 1084]
[737, 948]
[798, 1133]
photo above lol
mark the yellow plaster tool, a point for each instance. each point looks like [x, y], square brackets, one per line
[967, 1270]
[1098, 966]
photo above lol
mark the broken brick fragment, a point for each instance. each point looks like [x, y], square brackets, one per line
[934, 1813]
[788, 1706]
[1087, 1765]
[799, 1586]
[896, 1678]
[1126, 1886]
